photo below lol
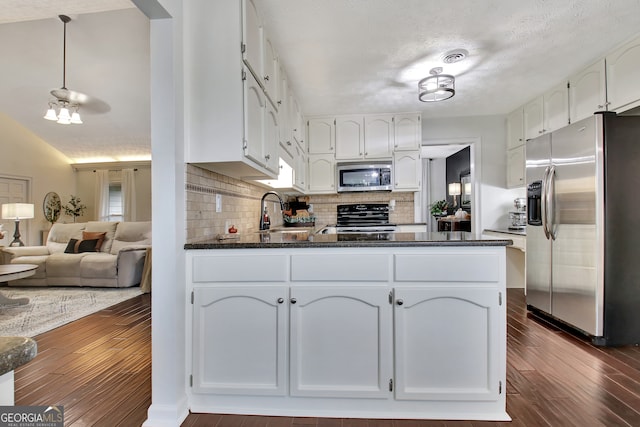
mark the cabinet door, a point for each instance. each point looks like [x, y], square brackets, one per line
[322, 174]
[349, 138]
[340, 341]
[252, 38]
[556, 108]
[623, 84]
[271, 138]
[321, 135]
[407, 132]
[295, 116]
[446, 345]
[587, 92]
[378, 136]
[300, 172]
[270, 74]
[240, 340]
[533, 119]
[407, 170]
[515, 129]
[515, 167]
[254, 114]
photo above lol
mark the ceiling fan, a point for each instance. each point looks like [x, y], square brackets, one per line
[69, 100]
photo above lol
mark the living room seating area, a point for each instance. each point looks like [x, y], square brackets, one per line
[95, 253]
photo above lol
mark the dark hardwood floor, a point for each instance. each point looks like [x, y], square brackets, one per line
[99, 369]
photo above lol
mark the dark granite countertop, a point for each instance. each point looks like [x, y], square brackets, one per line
[16, 351]
[308, 239]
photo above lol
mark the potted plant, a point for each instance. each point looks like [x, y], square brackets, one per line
[439, 208]
[74, 208]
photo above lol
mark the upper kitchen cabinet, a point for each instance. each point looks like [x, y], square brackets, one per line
[515, 129]
[271, 68]
[296, 121]
[407, 132]
[623, 84]
[322, 173]
[252, 47]
[587, 92]
[407, 170]
[555, 114]
[379, 136]
[515, 167]
[321, 134]
[225, 105]
[546, 113]
[349, 137]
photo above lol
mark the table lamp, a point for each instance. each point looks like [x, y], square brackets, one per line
[17, 211]
[454, 190]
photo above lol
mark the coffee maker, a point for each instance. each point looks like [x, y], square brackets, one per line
[518, 217]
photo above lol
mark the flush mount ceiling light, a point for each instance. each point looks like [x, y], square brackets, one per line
[65, 99]
[436, 87]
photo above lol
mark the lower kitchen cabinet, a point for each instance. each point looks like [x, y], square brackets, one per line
[385, 332]
[464, 324]
[240, 340]
[341, 343]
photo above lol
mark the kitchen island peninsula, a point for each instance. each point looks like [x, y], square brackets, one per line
[373, 325]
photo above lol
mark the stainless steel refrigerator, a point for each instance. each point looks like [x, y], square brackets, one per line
[583, 227]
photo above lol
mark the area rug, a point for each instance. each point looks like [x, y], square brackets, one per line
[49, 308]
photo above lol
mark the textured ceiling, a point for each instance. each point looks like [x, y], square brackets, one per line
[341, 56]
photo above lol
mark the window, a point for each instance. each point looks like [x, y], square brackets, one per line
[115, 201]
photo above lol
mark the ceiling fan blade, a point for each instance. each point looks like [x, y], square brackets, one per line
[86, 102]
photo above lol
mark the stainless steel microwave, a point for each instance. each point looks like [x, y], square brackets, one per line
[365, 176]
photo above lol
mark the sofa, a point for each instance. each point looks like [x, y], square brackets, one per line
[95, 253]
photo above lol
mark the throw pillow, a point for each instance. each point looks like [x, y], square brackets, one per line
[88, 235]
[76, 246]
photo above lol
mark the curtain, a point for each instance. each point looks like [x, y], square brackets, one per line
[102, 195]
[128, 195]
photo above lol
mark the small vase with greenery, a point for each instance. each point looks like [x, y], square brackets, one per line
[74, 208]
[439, 208]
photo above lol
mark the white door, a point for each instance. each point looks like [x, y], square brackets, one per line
[349, 138]
[407, 170]
[254, 115]
[240, 340]
[271, 138]
[252, 38]
[623, 85]
[407, 132]
[321, 135]
[341, 341]
[378, 136]
[322, 174]
[446, 345]
[533, 119]
[515, 129]
[14, 190]
[587, 92]
[515, 167]
[556, 108]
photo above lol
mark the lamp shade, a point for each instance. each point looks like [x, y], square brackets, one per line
[17, 210]
[454, 189]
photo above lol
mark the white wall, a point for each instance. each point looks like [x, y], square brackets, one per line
[24, 155]
[495, 199]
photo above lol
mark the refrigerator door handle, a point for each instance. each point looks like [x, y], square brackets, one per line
[544, 202]
[551, 194]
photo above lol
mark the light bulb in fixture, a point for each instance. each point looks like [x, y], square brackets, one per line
[51, 114]
[64, 118]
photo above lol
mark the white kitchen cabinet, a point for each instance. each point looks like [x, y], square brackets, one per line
[225, 104]
[341, 341]
[271, 137]
[556, 108]
[587, 92]
[300, 170]
[252, 48]
[407, 132]
[623, 84]
[379, 134]
[515, 167]
[322, 173]
[533, 118]
[464, 322]
[270, 78]
[296, 120]
[321, 135]
[407, 170]
[515, 129]
[240, 340]
[349, 137]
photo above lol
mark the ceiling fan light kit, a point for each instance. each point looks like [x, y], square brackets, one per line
[436, 87]
[64, 99]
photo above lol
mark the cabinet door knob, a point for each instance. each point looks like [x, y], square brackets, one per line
[280, 300]
[399, 302]
[268, 156]
[266, 78]
[293, 300]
